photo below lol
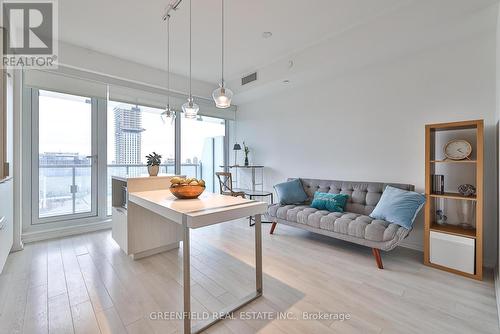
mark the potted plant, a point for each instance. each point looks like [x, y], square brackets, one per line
[246, 150]
[153, 162]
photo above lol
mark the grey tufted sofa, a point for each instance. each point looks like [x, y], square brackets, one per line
[354, 224]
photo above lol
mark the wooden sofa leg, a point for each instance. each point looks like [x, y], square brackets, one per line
[273, 226]
[378, 258]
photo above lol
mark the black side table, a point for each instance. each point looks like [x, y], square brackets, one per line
[251, 194]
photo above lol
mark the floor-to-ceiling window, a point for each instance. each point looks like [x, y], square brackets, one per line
[133, 132]
[80, 138]
[64, 175]
[202, 148]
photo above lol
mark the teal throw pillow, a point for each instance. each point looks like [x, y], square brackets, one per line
[330, 202]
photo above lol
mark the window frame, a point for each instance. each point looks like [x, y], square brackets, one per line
[35, 218]
[80, 222]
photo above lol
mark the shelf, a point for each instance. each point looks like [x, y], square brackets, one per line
[454, 229]
[454, 196]
[454, 161]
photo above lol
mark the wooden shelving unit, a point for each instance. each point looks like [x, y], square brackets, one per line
[454, 230]
[453, 161]
[434, 160]
[457, 196]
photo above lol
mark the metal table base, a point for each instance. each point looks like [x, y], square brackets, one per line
[230, 309]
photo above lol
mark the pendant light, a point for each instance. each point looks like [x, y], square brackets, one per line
[169, 111]
[190, 108]
[222, 95]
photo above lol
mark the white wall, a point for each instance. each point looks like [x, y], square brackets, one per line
[368, 124]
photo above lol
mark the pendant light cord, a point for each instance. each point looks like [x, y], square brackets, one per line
[168, 61]
[190, 47]
[222, 74]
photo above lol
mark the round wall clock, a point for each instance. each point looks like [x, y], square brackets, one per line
[458, 149]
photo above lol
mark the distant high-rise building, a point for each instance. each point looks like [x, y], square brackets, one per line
[128, 135]
[62, 159]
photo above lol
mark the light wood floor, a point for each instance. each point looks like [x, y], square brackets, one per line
[85, 284]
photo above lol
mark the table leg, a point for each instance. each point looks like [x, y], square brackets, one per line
[258, 254]
[253, 179]
[186, 278]
[232, 308]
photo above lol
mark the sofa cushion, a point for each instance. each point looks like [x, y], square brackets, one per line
[329, 202]
[399, 206]
[291, 192]
[347, 223]
[363, 196]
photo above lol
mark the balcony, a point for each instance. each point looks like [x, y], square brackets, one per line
[67, 189]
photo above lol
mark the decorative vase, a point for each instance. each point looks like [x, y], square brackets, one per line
[153, 170]
[246, 161]
[466, 213]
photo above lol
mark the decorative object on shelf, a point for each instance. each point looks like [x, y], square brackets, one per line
[236, 148]
[187, 188]
[246, 150]
[169, 111]
[458, 149]
[153, 162]
[222, 95]
[438, 184]
[190, 108]
[441, 217]
[466, 214]
[467, 190]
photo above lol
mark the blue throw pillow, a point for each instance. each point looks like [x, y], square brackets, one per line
[330, 202]
[398, 206]
[291, 192]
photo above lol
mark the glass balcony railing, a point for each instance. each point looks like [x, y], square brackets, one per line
[64, 189]
[67, 189]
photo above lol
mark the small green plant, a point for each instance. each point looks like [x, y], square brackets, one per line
[153, 159]
[246, 150]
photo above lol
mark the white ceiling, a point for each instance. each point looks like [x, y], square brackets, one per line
[133, 30]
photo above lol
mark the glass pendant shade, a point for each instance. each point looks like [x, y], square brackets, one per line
[168, 113]
[190, 108]
[222, 97]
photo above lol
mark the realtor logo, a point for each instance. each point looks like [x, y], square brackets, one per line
[29, 33]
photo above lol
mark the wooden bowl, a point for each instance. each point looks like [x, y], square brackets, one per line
[187, 192]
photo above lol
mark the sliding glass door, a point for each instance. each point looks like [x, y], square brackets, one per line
[64, 173]
[202, 148]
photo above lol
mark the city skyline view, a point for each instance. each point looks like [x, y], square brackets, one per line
[60, 111]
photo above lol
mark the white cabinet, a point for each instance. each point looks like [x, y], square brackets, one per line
[137, 231]
[452, 251]
[6, 220]
[119, 232]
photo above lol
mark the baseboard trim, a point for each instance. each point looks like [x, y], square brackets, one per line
[497, 292]
[412, 245]
[64, 231]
